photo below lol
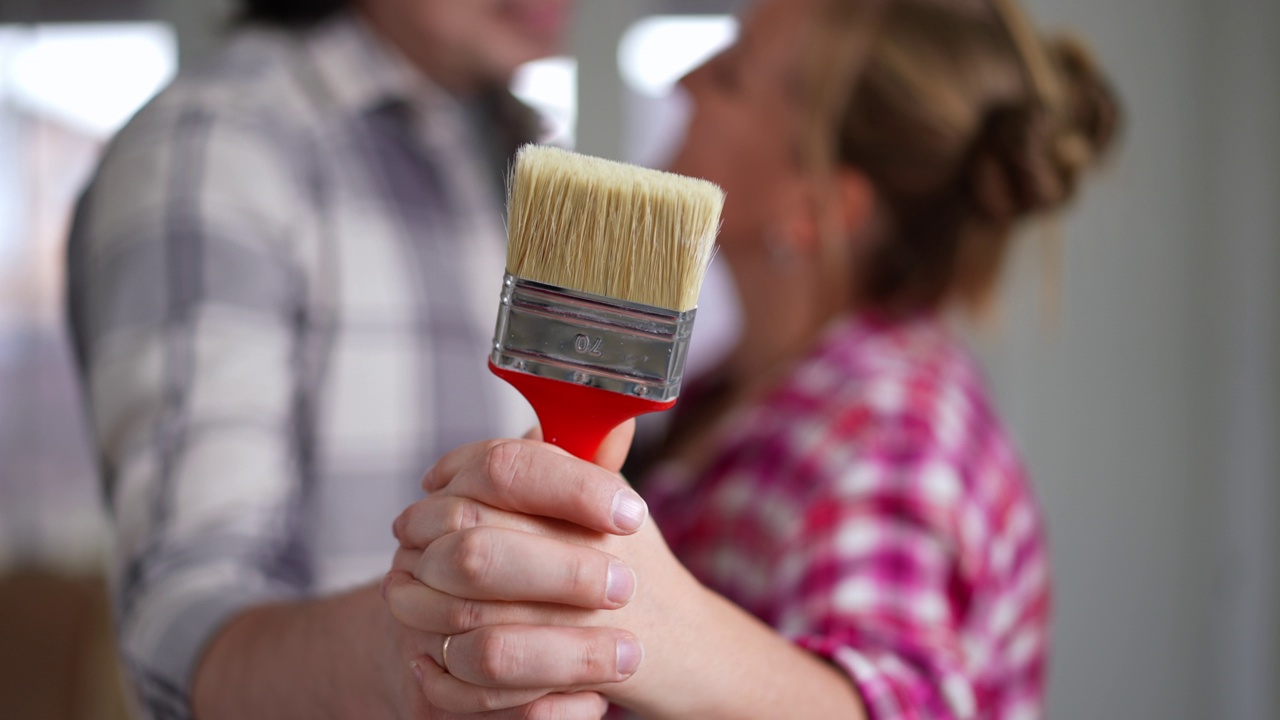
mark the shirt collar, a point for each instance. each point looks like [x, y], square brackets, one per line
[362, 71]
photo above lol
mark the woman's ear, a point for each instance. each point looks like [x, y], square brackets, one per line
[839, 206]
[853, 200]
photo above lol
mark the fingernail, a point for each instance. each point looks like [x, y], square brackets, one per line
[386, 583]
[629, 510]
[620, 583]
[417, 670]
[629, 655]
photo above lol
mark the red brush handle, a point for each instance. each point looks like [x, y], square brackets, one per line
[576, 417]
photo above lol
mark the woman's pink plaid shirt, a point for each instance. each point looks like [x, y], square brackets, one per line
[873, 509]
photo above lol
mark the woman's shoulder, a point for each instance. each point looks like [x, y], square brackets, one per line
[915, 372]
[883, 408]
[897, 417]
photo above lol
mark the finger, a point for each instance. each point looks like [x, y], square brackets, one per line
[422, 607]
[497, 564]
[448, 690]
[405, 560]
[534, 433]
[613, 451]
[427, 520]
[452, 695]
[535, 657]
[453, 461]
[568, 706]
[538, 479]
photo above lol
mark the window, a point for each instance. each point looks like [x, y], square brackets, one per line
[551, 87]
[653, 55]
[64, 89]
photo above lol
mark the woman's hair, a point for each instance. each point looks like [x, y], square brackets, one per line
[965, 122]
[289, 13]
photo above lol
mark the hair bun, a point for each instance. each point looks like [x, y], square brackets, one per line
[1027, 159]
[1090, 113]
[1011, 171]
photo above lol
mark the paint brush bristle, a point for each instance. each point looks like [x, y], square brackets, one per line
[610, 229]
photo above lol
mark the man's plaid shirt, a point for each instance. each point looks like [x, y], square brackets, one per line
[283, 283]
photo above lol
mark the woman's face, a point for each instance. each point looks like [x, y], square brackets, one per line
[745, 128]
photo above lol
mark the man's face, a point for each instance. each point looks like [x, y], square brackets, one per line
[463, 43]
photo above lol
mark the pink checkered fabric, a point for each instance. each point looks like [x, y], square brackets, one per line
[874, 510]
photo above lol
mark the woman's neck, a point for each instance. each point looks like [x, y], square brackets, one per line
[780, 324]
[782, 317]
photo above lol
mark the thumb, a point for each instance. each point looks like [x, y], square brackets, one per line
[613, 450]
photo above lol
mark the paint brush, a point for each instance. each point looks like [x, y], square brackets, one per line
[604, 264]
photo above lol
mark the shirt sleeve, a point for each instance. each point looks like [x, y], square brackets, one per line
[873, 579]
[185, 301]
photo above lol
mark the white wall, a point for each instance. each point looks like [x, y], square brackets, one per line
[1244, 186]
[1150, 416]
[1110, 406]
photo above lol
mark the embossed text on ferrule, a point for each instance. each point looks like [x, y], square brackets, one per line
[591, 340]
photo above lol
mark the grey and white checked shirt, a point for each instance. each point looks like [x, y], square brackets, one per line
[283, 283]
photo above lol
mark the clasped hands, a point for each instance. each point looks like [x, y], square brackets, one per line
[539, 573]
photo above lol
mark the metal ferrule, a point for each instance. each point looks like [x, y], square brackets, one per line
[591, 340]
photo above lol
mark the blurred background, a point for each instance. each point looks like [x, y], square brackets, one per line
[1135, 352]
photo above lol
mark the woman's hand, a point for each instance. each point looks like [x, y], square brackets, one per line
[544, 573]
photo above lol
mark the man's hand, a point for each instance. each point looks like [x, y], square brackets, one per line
[342, 656]
[360, 655]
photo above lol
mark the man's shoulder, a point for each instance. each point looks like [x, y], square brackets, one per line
[244, 97]
[229, 133]
[253, 79]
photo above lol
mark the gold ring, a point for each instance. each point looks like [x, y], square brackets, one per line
[444, 654]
